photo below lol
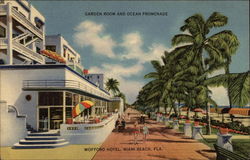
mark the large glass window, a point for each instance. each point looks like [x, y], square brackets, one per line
[68, 112]
[75, 99]
[68, 98]
[50, 98]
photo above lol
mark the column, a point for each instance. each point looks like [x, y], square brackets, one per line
[9, 35]
[187, 129]
[64, 107]
[176, 124]
[197, 131]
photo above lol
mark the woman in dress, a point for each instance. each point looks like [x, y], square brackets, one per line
[136, 131]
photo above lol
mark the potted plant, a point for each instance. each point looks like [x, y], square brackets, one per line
[187, 121]
[223, 129]
[196, 123]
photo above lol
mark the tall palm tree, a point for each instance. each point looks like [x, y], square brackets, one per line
[112, 85]
[218, 47]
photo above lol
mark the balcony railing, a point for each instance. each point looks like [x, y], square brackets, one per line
[65, 84]
[28, 52]
[24, 21]
[2, 9]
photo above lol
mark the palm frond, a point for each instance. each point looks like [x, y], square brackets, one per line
[182, 39]
[240, 89]
[216, 20]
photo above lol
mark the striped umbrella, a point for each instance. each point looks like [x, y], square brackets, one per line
[87, 104]
[79, 108]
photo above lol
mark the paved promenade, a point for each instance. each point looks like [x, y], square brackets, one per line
[162, 144]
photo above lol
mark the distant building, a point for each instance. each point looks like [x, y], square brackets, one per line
[97, 79]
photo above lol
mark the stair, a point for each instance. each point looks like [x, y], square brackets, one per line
[41, 140]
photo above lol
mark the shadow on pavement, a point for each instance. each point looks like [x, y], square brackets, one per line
[171, 141]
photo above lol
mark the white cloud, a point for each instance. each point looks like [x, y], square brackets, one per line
[132, 43]
[219, 95]
[89, 33]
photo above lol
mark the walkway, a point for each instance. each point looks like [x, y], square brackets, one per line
[162, 143]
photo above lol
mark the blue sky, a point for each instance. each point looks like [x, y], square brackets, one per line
[122, 46]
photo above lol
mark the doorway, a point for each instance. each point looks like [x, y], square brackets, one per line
[43, 119]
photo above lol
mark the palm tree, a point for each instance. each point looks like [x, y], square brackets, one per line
[112, 85]
[219, 47]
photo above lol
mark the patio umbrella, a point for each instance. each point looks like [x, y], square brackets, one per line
[87, 104]
[198, 110]
[79, 108]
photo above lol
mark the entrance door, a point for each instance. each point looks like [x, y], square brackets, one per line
[43, 119]
[56, 117]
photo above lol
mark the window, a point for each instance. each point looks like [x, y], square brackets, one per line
[51, 48]
[38, 50]
[68, 98]
[50, 98]
[64, 52]
[75, 99]
[68, 112]
[2, 32]
[16, 8]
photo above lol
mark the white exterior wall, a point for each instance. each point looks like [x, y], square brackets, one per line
[12, 128]
[11, 83]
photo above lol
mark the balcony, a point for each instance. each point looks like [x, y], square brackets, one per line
[63, 84]
[28, 52]
[25, 22]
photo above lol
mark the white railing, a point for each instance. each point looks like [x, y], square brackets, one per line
[24, 21]
[28, 52]
[28, 84]
[2, 9]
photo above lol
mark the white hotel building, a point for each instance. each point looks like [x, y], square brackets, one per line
[38, 89]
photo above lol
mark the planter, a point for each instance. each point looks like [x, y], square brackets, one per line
[187, 121]
[196, 123]
[69, 121]
[223, 130]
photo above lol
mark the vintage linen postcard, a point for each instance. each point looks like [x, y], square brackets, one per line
[123, 80]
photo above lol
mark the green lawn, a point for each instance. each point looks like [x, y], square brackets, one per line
[240, 146]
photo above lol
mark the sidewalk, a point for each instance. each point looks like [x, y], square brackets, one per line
[162, 143]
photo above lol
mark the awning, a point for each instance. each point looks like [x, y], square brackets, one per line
[53, 55]
[240, 111]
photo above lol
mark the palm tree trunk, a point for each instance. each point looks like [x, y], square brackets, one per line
[208, 120]
[170, 111]
[188, 111]
[228, 88]
[179, 109]
[175, 109]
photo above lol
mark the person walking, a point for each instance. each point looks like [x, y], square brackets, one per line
[145, 132]
[136, 132]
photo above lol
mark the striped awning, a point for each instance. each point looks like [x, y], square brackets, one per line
[240, 111]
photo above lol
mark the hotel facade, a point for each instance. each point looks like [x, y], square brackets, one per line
[42, 80]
